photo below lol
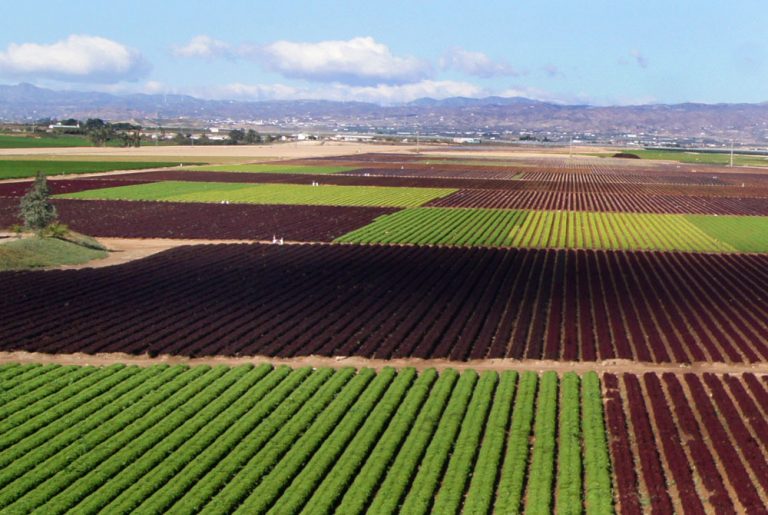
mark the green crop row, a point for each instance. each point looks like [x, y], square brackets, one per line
[565, 229]
[238, 193]
[15, 169]
[246, 439]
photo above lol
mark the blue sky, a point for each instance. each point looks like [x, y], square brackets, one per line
[599, 52]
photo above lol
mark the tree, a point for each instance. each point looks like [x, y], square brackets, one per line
[36, 211]
[236, 136]
[101, 135]
[252, 137]
[94, 123]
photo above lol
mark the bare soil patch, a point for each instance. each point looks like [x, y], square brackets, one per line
[617, 366]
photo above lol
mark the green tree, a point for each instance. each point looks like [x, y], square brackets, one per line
[94, 123]
[236, 136]
[252, 137]
[36, 211]
[101, 135]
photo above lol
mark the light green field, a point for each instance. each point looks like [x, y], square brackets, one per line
[276, 168]
[42, 252]
[744, 233]
[217, 192]
[15, 169]
[177, 439]
[574, 230]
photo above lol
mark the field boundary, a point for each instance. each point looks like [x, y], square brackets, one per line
[613, 366]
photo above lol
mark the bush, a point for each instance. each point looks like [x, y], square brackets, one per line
[36, 211]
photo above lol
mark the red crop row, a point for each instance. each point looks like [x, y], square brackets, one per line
[123, 219]
[682, 443]
[469, 181]
[637, 202]
[60, 186]
[599, 176]
[334, 179]
[392, 302]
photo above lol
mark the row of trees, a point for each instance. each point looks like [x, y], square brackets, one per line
[100, 132]
[236, 137]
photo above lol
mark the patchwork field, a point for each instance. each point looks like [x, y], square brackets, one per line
[571, 335]
[178, 191]
[572, 230]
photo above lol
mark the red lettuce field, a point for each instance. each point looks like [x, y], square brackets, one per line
[393, 302]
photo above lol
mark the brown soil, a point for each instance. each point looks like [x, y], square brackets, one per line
[617, 366]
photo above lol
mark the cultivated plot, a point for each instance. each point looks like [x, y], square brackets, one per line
[693, 443]
[559, 229]
[273, 168]
[255, 440]
[12, 169]
[176, 191]
[183, 220]
[399, 302]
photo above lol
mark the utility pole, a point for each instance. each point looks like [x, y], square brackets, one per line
[570, 151]
[417, 141]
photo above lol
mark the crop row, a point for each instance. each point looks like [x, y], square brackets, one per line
[467, 181]
[603, 202]
[60, 186]
[688, 443]
[558, 229]
[260, 439]
[275, 194]
[136, 219]
[369, 301]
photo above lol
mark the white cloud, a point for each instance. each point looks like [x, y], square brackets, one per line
[203, 46]
[381, 93]
[78, 58]
[476, 63]
[360, 61]
[240, 91]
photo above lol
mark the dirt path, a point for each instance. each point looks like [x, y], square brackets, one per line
[610, 366]
[291, 150]
[123, 250]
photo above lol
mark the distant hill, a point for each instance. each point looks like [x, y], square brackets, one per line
[745, 122]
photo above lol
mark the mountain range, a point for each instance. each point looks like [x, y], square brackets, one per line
[748, 123]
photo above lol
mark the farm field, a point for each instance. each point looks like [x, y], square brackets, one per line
[693, 443]
[573, 230]
[604, 202]
[722, 158]
[59, 186]
[368, 301]
[261, 439]
[570, 335]
[26, 141]
[12, 169]
[272, 168]
[178, 191]
[183, 220]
